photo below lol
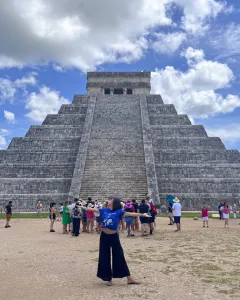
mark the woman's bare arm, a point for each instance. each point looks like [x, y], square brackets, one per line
[129, 214]
[94, 209]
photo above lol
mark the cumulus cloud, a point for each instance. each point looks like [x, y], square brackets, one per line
[195, 91]
[197, 14]
[168, 43]
[8, 115]
[45, 102]
[8, 88]
[86, 34]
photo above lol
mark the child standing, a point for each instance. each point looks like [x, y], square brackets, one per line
[234, 211]
[225, 212]
[129, 219]
[205, 215]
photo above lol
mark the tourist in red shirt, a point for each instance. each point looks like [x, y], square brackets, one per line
[90, 218]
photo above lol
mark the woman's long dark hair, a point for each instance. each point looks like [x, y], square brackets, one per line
[116, 203]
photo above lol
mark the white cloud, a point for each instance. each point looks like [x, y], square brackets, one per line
[86, 34]
[230, 133]
[3, 134]
[168, 43]
[8, 88]
[45, 102]
[57, 68]
[8, 115]
[194, 92]
[198, 12]
[226, 40]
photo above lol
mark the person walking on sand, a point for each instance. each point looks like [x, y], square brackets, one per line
[177, 213]
[129, 219]
[205, 215]
[66, 217]
[225, 212]
[109, 238]
[52, 215]
[8, 211]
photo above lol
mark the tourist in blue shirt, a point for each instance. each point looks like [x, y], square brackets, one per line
[110, 239]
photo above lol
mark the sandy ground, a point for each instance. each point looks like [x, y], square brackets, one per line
[198, 263]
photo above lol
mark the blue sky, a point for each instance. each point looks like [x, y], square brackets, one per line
[191, 47]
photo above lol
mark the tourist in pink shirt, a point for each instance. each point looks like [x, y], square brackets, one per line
[205, 215]
[225, 212]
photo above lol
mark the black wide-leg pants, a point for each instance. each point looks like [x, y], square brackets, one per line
[119, 266]
[75, 226]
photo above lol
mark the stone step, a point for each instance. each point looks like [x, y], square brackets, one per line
[66, 109]
[11, 156]
[34, 185]
[80, 99]
[22, 144]
[195, 201]
[161, 109]
[54, 131]
[29, 201]
[118, 100]
[154, 99]
[200, 185]
[177, 131]
[169, 120]
[103, 197]
[215, 156]
[187, 143]
[198, 170]
[36, 171]
[61, 119]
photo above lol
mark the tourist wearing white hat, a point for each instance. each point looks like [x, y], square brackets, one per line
[235, 211]
[177, 213]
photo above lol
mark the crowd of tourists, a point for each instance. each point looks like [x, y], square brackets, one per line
[110, 218]
[77, 217]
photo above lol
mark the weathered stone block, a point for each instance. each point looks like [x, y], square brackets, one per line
[71, 119]
[178, 130]
[54, 131]
[169, 120]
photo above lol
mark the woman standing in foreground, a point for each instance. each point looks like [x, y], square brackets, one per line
[110, 239]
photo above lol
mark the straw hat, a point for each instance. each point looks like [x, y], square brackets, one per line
[176, 200]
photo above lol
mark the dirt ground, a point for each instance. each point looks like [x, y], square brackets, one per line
[198, 263]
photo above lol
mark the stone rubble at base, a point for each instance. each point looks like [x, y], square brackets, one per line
[125, 145]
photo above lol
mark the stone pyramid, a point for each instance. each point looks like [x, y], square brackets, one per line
[118, 140]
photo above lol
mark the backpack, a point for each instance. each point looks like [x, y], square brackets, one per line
[153, 209]
[38, 206]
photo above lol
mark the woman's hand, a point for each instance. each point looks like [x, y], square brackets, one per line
[146, 215]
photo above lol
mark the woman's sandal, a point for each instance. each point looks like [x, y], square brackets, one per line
[133, 282]
[109, 283]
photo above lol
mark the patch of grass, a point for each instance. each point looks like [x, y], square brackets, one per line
[25, 216]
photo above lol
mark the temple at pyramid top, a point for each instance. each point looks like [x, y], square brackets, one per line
[118, 83]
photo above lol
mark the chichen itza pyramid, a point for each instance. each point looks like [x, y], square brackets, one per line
[118, 139]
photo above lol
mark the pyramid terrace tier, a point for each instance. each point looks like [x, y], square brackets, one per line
[25, 202]
[187, 143]
[161, 109]
[27, 170]
[198, 185]
[169, 120]
[34, 185]
[54, 131]
[69, 120]
[177, 131]
[48, 144]
[197, 157]
[203, 170]
[195, 201]
[154, 99]
[50, 157]
[69, 109]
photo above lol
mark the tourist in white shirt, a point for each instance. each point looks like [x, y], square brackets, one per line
[177, 213]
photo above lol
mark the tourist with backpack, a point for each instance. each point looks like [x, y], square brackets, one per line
[76, 216]
[52, 215]
[153, 212]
